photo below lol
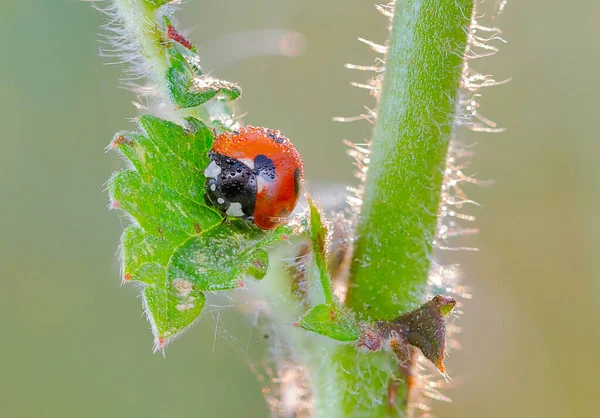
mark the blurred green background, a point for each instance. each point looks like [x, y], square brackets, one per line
[73, 341]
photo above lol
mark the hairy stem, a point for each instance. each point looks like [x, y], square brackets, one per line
[140, 21]
[402, 191]
[414, 124]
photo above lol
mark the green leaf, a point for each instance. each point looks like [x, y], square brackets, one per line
[170, 306]
[138, 249]
[160, 210]
[329, 319]
[188, 87]
[257, 264]
[179, 247]
[318, 235]
[332, 321]
[218, 259]
[318, 231]
[174, 163]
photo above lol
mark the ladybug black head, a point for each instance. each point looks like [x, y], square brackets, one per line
[230, 186]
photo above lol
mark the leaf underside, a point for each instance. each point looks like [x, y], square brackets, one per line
[188, 87]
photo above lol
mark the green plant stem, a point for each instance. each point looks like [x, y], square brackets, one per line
[414, 123]
[139, 21]
[398, 215]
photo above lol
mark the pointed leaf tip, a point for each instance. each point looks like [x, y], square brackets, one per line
[331, 321]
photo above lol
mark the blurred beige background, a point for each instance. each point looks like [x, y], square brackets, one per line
[74, 343]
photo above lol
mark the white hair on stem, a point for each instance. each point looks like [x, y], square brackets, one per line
[453, 218]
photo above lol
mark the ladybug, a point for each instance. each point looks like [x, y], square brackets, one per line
[255, 174]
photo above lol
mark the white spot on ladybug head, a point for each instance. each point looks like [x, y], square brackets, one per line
[235, 210]
[248, 162]
[220, 201]
[213, 187]
[213, 170]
